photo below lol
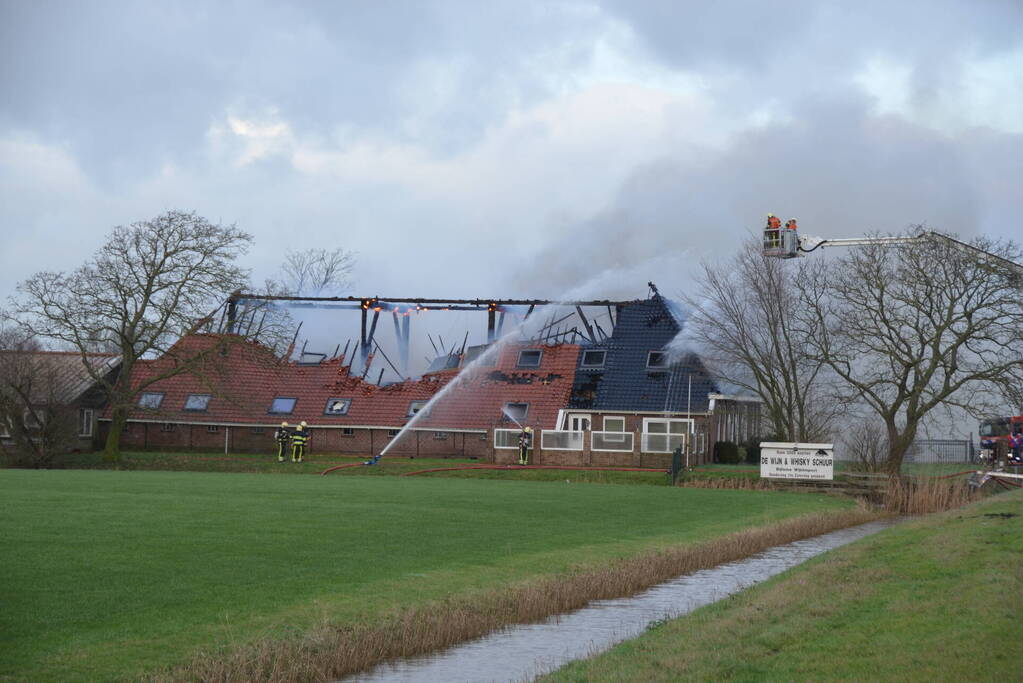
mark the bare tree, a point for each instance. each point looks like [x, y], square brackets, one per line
[33, 408]
[317, 272]
[865, 442]
[912, 327]
[742, 319]
[151, 283]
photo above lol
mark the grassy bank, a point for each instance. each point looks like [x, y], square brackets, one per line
[110, 574]
[938, 598]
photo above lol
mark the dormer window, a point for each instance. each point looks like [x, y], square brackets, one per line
[657, 360]
[516, 411]
[530, 358]
[415, 407]
[151, 400]
[593, 359]
[282, 405]
[337, 406]
[197, 402]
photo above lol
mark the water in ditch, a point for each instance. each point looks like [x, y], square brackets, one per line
[520, 653]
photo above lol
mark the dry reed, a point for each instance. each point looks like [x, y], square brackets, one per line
[331, 651]
[907, 496]
[739, 483]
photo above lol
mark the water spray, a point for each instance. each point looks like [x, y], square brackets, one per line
[461, 378]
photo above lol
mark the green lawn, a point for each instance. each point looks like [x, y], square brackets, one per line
[938, 598]
[106, 573]
[388, 465]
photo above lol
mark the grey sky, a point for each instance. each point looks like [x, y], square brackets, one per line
[505, 148]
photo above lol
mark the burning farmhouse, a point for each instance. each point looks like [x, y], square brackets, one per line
[593, 396]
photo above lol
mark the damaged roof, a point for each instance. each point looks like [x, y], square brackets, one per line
[243, 378]
[640, 372]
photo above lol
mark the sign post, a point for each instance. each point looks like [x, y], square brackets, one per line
[801, 461]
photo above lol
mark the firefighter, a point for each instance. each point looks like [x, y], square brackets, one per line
[1015, 454]
[299, 439]
[282, 436]
[773, 230]
[790, 224]
[525, 445]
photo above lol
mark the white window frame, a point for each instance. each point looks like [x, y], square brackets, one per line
[570, 418]
[614, 417]
[603, 359]
[623, 442]
[212, 429]
[577, 440]
[168, 427]
[391, 433]
[539, 359]
[667, 422]
[86, 418]
[347, 432]
[513, 438]
[609, 434]
[441, 435]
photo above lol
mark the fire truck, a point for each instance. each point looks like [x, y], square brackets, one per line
[995, 430]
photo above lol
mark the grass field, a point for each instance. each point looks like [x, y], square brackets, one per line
[938, 598]
[110, 573]
[389, 465]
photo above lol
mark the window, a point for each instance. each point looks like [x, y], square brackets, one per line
[440, 435]
[530, 358]
[258, 430]
[85, 421]
[593, 359]
[415, 407]
[197, 402]
[5, 428]
[657, 360]
[664, 435]
[614, 424]
[151, 400]
[337, 406]
[282, 405]
[516, 411]
[391, 433]
[577, 422]
[347, 431]
[168, 427]
[212, 429]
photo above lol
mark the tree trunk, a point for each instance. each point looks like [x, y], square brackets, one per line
[898, 444]
[112, 449]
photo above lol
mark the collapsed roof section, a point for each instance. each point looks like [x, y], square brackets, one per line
[242, 382]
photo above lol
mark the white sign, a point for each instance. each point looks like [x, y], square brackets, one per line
[809, 461]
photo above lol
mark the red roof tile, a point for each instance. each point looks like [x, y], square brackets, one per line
[245, 377]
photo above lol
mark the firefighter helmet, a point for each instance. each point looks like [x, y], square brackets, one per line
[303, 423]
[529, 429]
[284, 424]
